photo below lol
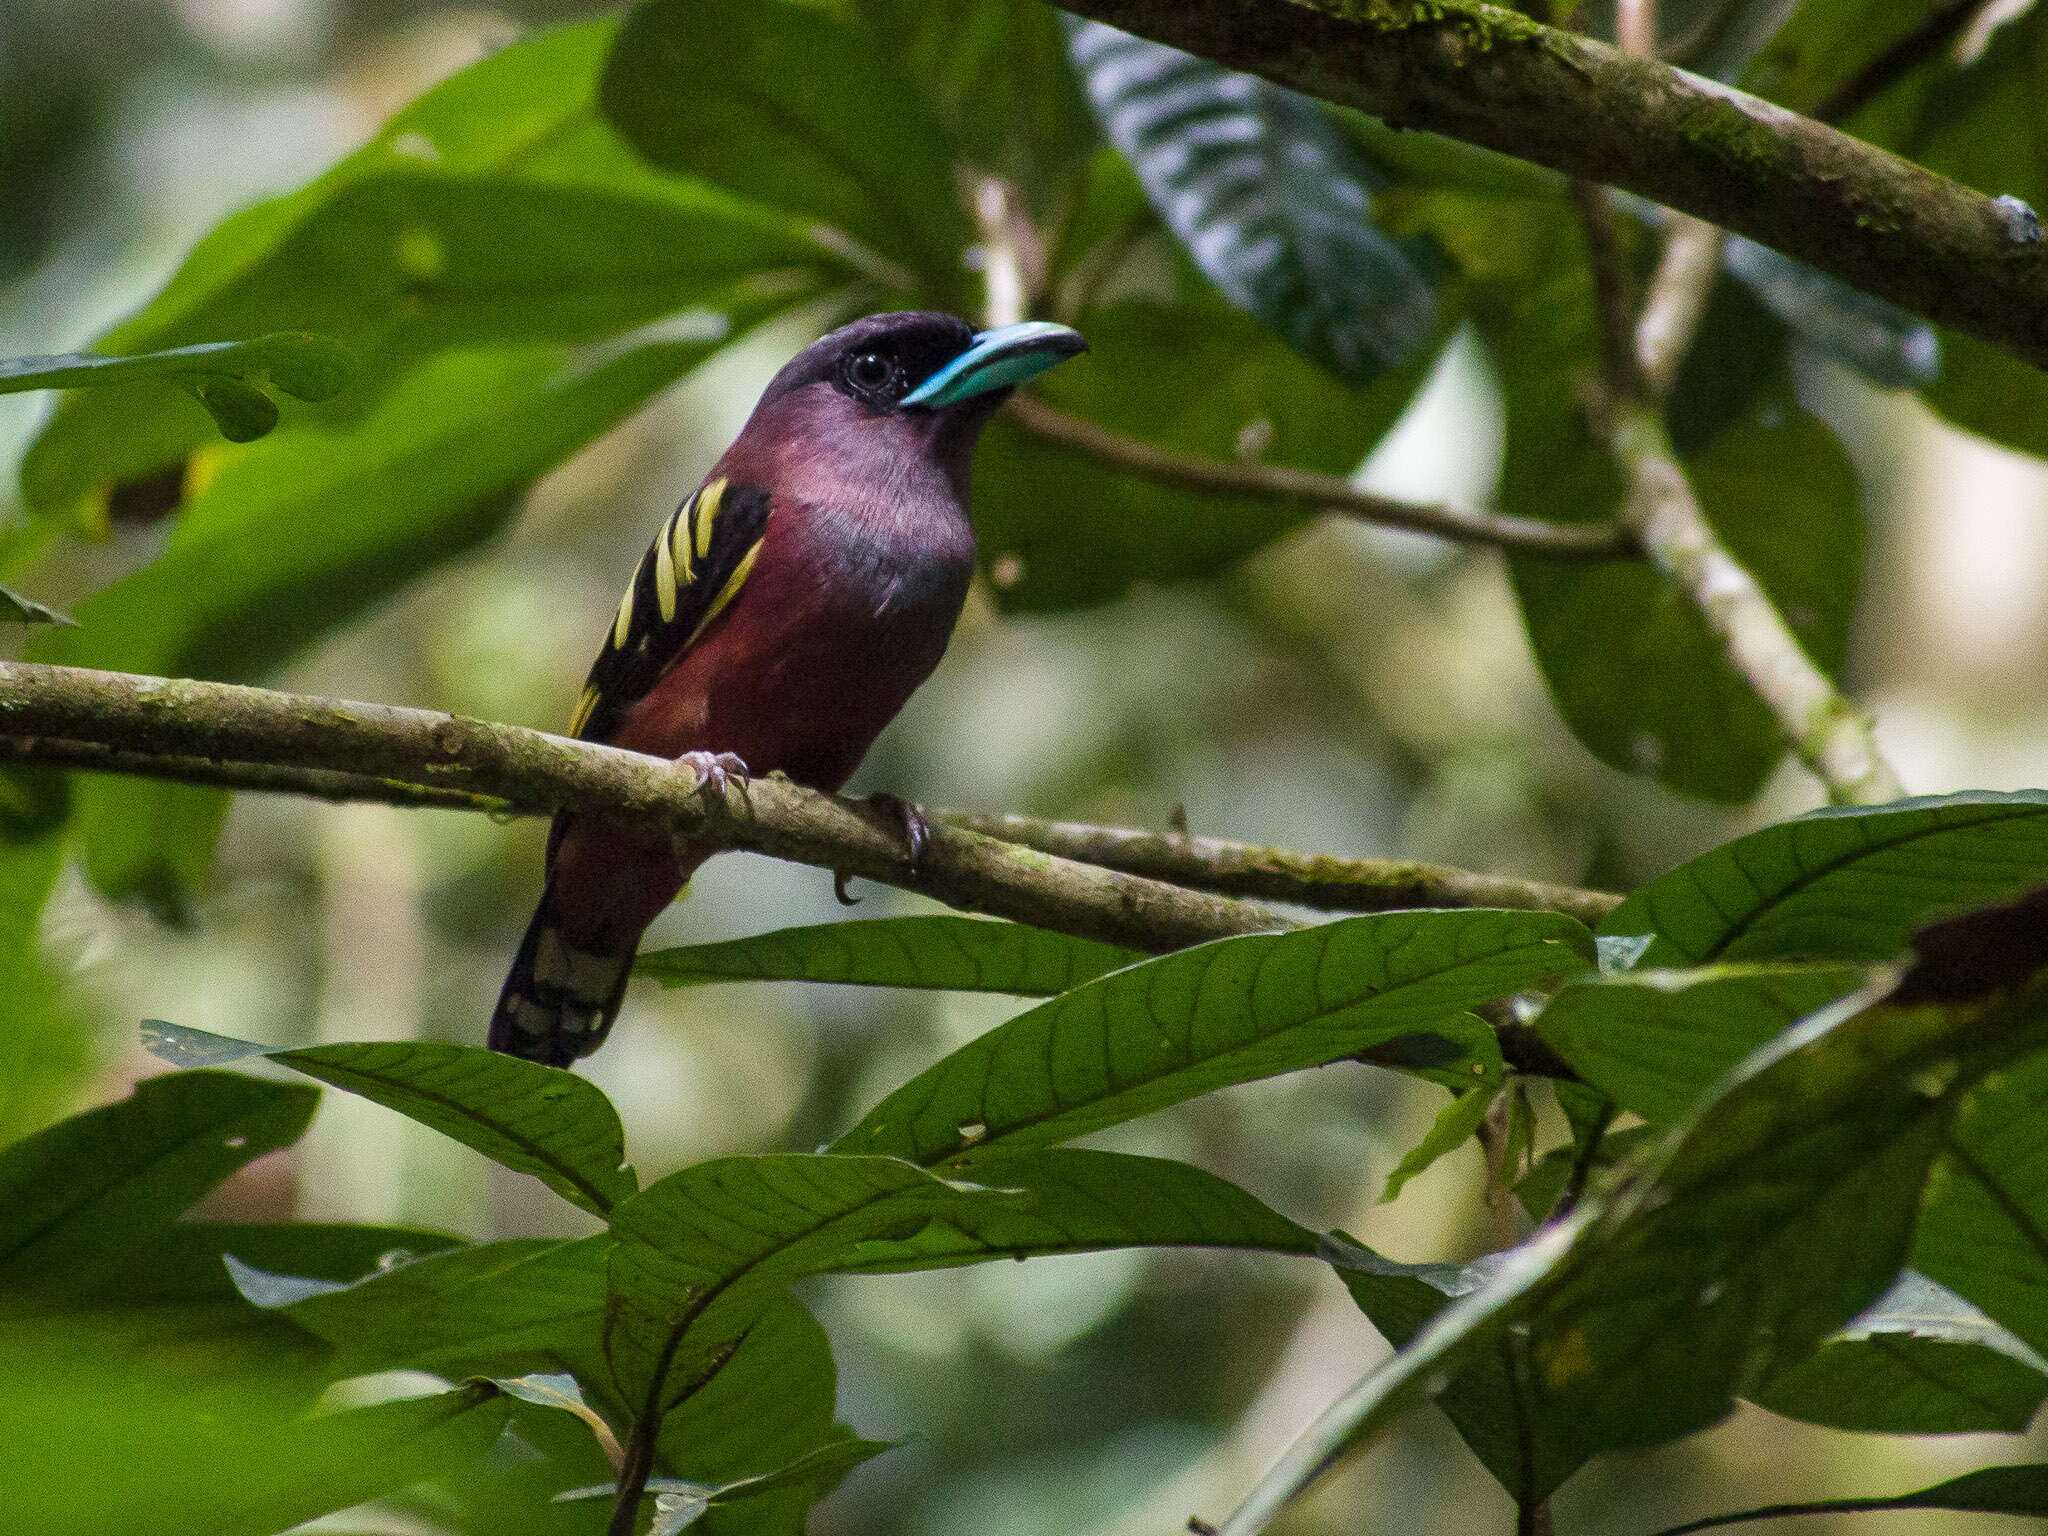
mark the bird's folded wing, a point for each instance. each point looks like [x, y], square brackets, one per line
[696, 566]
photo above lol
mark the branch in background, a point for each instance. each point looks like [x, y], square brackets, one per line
[1277, 874]
[1613, 293]
[1493, 77]
[1679, 290]
[1831, 735]
[255, 738]
[1312, 491]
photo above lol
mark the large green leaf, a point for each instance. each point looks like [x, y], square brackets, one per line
[1844, 884]
[962, 954]
[996, 76]
[700, 1250]
[101, 1449]
[534, 1119]
[1921, 1361]
[1656, 1041]
[226, 377]
[496, 209]
[1269, 197]
[2014, 1490]
[299, 533]
[1204, 1018]
[1059, 530]
[792, 107]
[93, 1195]
[46, 1053]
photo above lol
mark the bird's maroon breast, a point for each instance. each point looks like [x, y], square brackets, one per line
[839, 622]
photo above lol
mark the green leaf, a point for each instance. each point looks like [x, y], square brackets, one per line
[1656, 1041]
[248, 1471]
[16, 609]
[1490, 1400]
[995, 75]
[1195, 377]
[221, 375]
[1633, 667]
[1993, 394]
[296, 535]
[680, 1504]
[188, 1260]
[1271, 200]
[1454, 1125]
[954, 953]
[1841, 884]
[47, 1055]
[495, 209]
[1922, 1361]
[534, 1119]
[92, 1196]
[1884, 343]
[700, 1250]
[790, 106]
[1205, 1018]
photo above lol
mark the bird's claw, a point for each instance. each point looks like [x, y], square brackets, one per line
[716, 773]
[917, 827]
[839, 879]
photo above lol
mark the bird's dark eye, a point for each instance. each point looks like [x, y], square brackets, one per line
[870, 371]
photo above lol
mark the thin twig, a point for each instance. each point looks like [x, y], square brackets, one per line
[1677, 299]
[1321, 881]
[1613, 291]
[1830, 735]
[1311, 491]
[1882, 72]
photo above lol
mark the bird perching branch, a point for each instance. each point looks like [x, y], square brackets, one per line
[1491, 76]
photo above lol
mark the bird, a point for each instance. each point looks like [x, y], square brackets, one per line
[779, 620]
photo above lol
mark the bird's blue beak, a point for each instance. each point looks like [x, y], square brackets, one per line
[1007, 355]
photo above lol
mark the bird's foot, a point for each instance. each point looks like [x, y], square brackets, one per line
[716, 772]
[917, 837]
[916, 826]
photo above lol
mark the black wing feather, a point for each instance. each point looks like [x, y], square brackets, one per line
[699, 559]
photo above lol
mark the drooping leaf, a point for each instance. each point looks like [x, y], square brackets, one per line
[298, 534]
[534, 1119]
[1920, 1361]
[1204, 1018]
[700, 1250]
[790, 106]
[953, 953]
[224, 376]
[1655, 1041]
[680, 1504]
[93, 1195]
[2014, 1490]
[1270, 198]
[1455, 1124]
[1841, 884]
[1193, 377]
[496, 209]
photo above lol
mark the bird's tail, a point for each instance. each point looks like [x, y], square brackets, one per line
[559, 1001]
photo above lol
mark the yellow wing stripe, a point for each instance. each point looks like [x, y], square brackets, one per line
[665, 577]
[708, 502]
[727, 593]
[623, 625]
[585, 708]
[677, 537]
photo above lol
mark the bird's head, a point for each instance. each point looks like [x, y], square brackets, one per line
[916, 383]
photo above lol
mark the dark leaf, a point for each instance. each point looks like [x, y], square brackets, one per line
[1847, 884]
[788, 105]
[14, 608]
[534, 1119]
[954, 953]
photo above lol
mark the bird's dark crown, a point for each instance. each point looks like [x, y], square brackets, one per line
[878, 360]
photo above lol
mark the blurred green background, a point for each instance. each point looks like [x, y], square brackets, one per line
[1345, 690]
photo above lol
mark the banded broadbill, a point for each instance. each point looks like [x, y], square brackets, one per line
[779, 620]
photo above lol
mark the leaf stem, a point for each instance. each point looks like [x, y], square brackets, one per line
[1311, 490]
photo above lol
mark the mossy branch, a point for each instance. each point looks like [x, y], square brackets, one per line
[1493, 77]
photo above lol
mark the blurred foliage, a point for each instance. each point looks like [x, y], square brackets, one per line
[1792, 1167]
